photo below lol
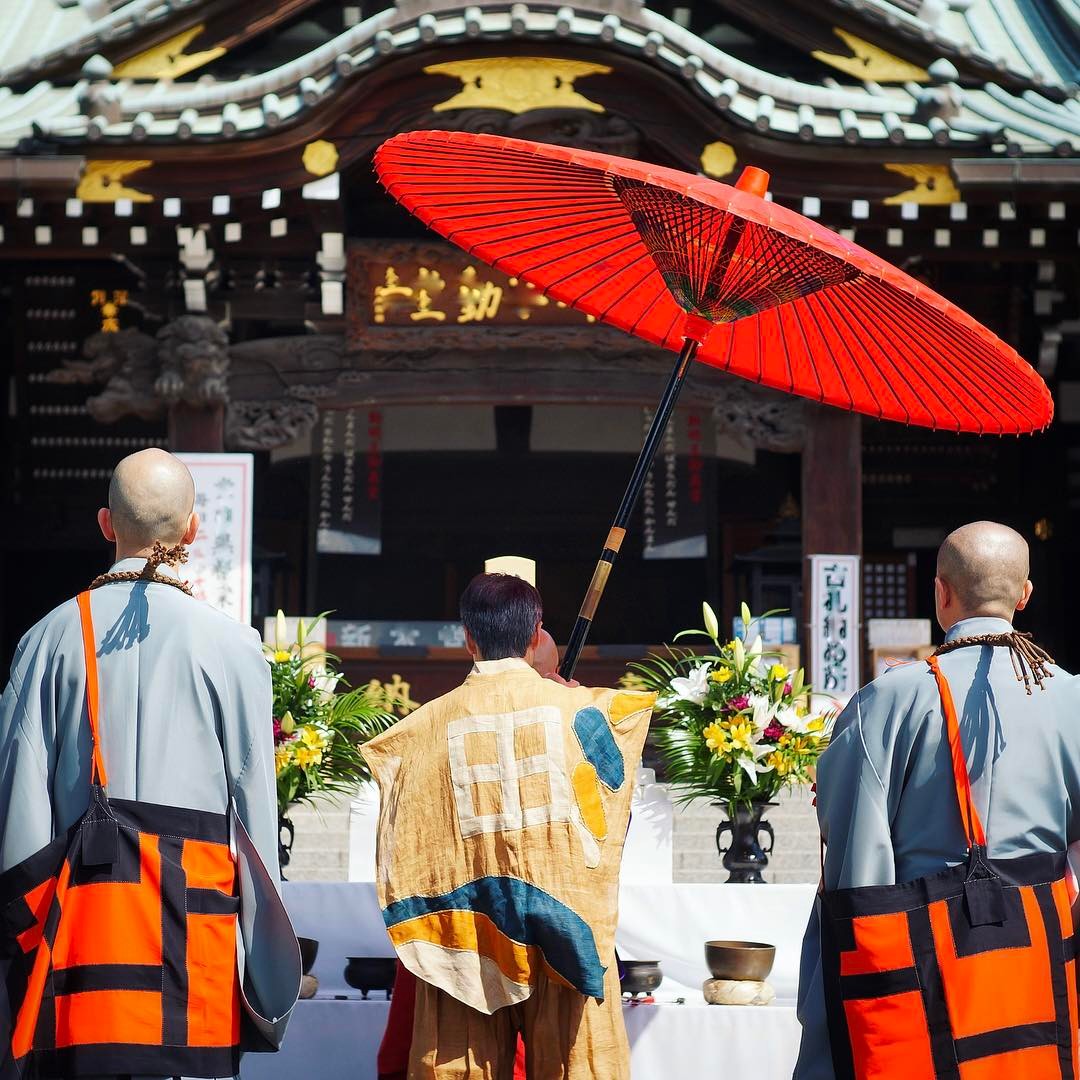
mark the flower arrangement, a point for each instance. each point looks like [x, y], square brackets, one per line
[736, 726]
[318, 730]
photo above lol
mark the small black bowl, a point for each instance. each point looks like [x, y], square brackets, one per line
[639, 976]
[367, 973]
[309, 949]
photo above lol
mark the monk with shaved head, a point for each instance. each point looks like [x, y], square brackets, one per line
[184, 722]
[151, 500]
[895, 814]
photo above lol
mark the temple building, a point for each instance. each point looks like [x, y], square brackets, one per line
[194, 252]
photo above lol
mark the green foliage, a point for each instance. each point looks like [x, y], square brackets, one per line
[318, 731]
[734, 725]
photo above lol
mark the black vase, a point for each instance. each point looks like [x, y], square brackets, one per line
[286, 835]
[745, 858]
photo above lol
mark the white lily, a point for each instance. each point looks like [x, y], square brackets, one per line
[753, 654]
[790, 718]
[810, 723]
[692, 687]
[763, 711]
[751, 764]
[326, 681]
[712, 625]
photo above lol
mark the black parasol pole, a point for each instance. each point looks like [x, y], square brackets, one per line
[617, 532]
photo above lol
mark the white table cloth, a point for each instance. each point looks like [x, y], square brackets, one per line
[333, 1039]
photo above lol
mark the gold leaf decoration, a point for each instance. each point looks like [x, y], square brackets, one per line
[718, 160]
[518, 83]
[103, 182]
[933, 185]
[320, 157]
[868, 61]
[167, 60]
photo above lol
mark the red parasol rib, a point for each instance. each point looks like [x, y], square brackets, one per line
[718, 273]
[801, 309]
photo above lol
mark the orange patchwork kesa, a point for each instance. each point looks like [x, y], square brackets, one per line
[123, 935]
[965, 975]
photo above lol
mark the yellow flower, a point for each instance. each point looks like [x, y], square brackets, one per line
[779, 762]
[722, 675]
[778, 672]
[816, 725]
[282, 656]
[715, 739]
[282, 756]
[306, 756]
[312, 738]
[742, 735]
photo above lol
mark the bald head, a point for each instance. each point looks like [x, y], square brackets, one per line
[151, 498]
[982, 569]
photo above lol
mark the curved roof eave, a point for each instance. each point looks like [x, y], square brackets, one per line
[869, 115]
[995, 34]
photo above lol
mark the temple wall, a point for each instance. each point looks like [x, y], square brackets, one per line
[321, 851]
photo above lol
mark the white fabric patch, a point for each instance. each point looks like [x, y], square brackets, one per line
[463, 974]
[507, 770]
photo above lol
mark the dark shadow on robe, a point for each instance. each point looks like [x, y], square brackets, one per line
[133, 624]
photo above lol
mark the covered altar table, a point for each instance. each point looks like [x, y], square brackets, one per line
[335, 1036]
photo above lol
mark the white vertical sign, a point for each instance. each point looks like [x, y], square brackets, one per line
[834, 624]
[219, 561]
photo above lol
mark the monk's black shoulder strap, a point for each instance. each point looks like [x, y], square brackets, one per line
[1030, 662]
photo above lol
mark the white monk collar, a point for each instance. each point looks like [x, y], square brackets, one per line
[978, 626]
[500, 667]
[137, 564]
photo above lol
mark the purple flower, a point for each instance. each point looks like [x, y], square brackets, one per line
[311, 681]
[279, 735]
[774, 730]
[737, 704]
[787, 689]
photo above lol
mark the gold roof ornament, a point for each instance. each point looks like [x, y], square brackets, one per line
[103, 182]
[518, 83]
[933, 185]
[869, 61]
[167, 59]
[718, 160]
[320, 157]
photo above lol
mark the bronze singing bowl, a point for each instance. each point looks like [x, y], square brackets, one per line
[744, 961]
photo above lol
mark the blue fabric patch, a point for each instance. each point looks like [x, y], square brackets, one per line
[527, 914]
[599, 747]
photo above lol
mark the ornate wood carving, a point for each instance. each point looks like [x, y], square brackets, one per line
[264, 425]
[193, 352]
[287, 373]
[126, 362]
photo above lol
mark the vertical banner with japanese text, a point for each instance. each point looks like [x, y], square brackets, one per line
[673, 497]
[834, 624]
[348, 460]
[219, 560]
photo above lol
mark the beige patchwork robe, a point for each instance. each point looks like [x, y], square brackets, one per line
[504, 807]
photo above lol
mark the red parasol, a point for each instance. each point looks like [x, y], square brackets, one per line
[718, 273]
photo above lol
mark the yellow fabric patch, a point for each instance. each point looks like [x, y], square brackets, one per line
[470, 932]
[487, 798]
[530, 740]
[534, 790]
[481, 748]
[587, 793]
[629, 703]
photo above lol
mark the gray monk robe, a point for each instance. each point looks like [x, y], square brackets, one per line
[185, 703]
[886, 796]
